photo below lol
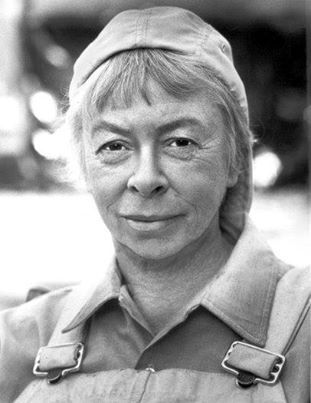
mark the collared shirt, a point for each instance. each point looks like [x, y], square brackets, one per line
[235, 305]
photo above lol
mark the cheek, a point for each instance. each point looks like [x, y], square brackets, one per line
[107, 191]
[201, 181]
[205, 197]
[105, 185]
[202, 187]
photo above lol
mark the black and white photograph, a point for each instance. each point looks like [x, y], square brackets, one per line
[155, 201]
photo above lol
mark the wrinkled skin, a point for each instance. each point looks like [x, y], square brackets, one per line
[158, 172]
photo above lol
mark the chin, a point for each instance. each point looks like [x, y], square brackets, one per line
[155, 249]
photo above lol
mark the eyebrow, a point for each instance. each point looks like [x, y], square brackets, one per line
[162, 128]
[178, 123]
[108, 126]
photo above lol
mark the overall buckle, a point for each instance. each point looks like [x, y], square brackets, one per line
[47, 363]
[249, 362]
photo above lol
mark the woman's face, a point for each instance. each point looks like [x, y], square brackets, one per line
[158, 172]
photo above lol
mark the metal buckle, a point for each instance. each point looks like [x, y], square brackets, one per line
[244, 378]
[55, 374]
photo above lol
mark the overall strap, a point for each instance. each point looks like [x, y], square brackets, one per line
[65, 350]
[252, 364]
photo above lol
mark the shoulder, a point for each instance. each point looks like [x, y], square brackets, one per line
[292, 315]
[295, 281]
[23, 330]
[33, 322]
[291, 304]
[35, 319]
[296, 374]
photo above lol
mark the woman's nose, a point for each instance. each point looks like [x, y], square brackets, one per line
[147, 179]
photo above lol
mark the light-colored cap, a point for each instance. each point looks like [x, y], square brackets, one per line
[169, 28]
[180, 31]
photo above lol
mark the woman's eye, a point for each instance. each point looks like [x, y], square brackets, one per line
[113, 152]
[113, 146]
[181, 142]
[182, 148]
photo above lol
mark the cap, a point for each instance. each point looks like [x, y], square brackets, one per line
[169, 28]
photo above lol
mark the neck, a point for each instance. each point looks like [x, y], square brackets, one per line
[156, 284]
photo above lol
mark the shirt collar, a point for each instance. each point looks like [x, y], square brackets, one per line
[88, 297]
[241, 295]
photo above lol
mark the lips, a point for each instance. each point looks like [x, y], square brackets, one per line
[148, 223]
[148, 218]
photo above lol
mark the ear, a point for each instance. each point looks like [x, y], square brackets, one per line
[233, 176]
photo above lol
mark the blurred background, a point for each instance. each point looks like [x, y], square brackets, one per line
[50, 231]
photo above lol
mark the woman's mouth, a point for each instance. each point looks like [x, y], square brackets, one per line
[149, 223]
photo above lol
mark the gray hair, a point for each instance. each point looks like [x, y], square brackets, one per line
[126, 75]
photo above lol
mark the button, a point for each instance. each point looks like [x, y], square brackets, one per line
[54, 375]
[245, 379]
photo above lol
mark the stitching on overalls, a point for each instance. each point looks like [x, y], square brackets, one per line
[144, 389]
[298, 325]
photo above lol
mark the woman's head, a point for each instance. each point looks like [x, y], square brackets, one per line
[147, 60]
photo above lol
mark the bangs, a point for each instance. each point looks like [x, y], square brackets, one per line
[129, 75]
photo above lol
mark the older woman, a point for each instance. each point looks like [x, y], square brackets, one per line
[194, 307]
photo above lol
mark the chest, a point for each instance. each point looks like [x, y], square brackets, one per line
[124, 364]
[170, 386]
[117, 342]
